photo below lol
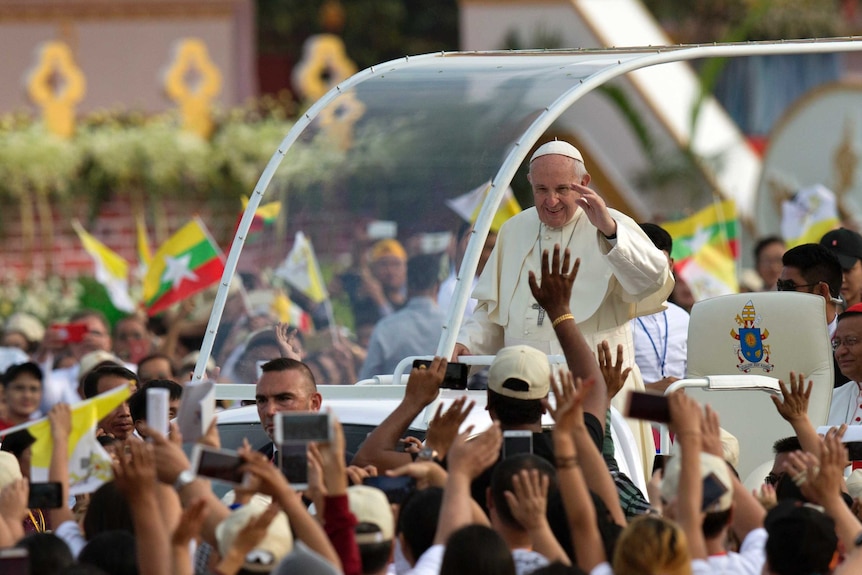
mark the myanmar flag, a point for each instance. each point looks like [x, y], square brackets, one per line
[705, 250]
[186, 264]
[264, 216]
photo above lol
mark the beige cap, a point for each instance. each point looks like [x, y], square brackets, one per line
[277, 542]
[25, 324]
[370, 505]
[10, 470]
[559, 148]
[523, 363]
[854, 484]
[709, 465]
[90, 360]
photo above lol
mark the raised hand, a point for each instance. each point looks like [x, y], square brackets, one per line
[285, 334]
[471, 458]
[596, 209]
[615, 376]
[569, 394]
[529, 499]
[443, 428]
[795, 404]
[555, 290]
[424, 383]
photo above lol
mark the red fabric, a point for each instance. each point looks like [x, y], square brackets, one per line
[339, 524]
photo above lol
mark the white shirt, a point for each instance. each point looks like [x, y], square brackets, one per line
[749, 560]
[661, 343]
[447, 290]
[846, 405]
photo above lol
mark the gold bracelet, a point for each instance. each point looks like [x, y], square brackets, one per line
[566, 462]
[562, 318]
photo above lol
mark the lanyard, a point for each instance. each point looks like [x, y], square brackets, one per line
[40, 524]
[663, 355]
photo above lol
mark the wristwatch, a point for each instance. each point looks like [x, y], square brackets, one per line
[185, 477]
[428, 454]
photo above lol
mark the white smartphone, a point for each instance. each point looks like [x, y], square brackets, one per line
[218, 464]
[516, 442]
[158, 404]
[302, 427]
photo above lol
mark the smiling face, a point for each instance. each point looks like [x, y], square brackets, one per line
[552, 178]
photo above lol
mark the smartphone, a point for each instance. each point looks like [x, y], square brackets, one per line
[648, 406]
[217, 464]
[301, 427]
[516, 442]
[69, 332]
[854, 450]
[659, 463]
[158, 406]
[456, 373]
[293, 462]
[395, 488]
[713, 489]
[14, 561]
[45, 496]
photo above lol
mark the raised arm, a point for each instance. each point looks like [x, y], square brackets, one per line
[685, 422]
[794, 410]
[580, 512]
[380, 447]
[467, 460]
[554, 295]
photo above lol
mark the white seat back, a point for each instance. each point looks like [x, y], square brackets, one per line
[765, 333]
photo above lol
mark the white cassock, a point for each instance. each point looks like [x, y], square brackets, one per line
[618, 280]
[846, 406]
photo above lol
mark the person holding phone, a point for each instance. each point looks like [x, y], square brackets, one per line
[415, 328]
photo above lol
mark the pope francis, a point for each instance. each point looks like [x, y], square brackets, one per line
[622, 274]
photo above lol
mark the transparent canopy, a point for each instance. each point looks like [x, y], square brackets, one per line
[396, 140]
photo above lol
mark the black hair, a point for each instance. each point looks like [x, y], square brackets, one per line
[82, 569]
[108, 511]
[786, 445]
[501, 481]
[14, 371]
[374, 556]
[287, 364]
[15, 443]
[714, 522]
[418, 517]
[557, 568]
[801, 540]
[658, 236]
[514, 412]
[559, 523]
[91, 380]
[816, 264]
[423, 272]
[477, 550]
[762, 244]
[138, 400]
[113, 551]
[155, 356]
[49, 554]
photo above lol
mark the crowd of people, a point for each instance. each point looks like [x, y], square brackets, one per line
[569, 276]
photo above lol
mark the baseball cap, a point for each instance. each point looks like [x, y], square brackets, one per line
[275, 545]
[388, 247]
[854, 484]
[845, 244]
[26, 324]
[91, 360]
[709, 465]
[559, 148]
[523, 363]
[10, 470]
[370, 505]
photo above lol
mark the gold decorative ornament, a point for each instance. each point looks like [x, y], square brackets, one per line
[193, 81]
[56, 84]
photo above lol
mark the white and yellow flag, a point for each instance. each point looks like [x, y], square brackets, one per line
[112, 271]
[808, 215]
[89, 463]
[468, 206]
[300, 270]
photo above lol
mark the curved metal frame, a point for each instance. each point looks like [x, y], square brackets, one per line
[651, 56]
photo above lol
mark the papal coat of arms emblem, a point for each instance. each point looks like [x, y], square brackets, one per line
[751, 352]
